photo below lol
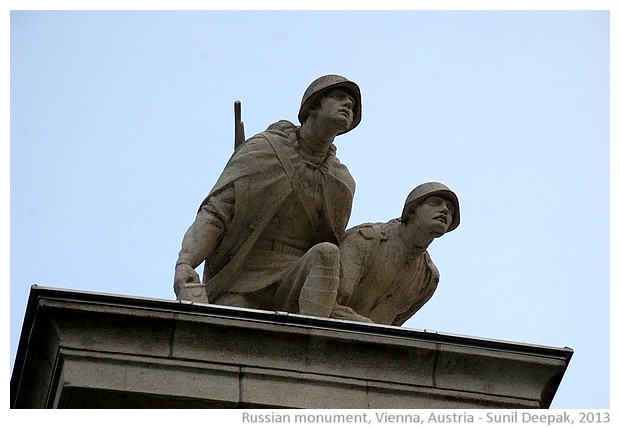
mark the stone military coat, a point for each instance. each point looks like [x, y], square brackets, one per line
[382, 278]
[261, 176]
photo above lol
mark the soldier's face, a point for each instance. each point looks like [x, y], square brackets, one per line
[337, 106]
[435, 213]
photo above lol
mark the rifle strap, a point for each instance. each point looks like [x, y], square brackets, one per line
[296, 184]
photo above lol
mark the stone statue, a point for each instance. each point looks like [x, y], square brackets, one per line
[269, 229]
[387, 274]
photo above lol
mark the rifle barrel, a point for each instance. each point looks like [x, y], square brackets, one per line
[239, 128]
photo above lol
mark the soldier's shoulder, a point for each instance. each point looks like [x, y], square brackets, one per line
[371, 230]
[276, 132]
[282, 126]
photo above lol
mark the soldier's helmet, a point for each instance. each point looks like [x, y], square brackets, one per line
[324, 83]
[425, 190]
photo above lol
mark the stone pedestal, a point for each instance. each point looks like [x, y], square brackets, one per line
[90, 350]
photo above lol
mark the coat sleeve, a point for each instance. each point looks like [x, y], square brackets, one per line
[427, 292]
[355, 251]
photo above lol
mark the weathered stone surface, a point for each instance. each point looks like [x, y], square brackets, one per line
[268, 231]
[145, 376]
[271, 232]
[163, 354]
[303, 390]
[387, 274]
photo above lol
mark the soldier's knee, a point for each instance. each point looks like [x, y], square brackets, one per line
[327, 253]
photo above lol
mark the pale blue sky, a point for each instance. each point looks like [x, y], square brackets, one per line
[122, 121]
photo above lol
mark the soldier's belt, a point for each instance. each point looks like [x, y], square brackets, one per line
[278, 246]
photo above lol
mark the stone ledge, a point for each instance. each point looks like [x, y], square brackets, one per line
[82, 349]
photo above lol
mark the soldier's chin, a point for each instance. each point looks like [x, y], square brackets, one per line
[439, 228]
[343, 124]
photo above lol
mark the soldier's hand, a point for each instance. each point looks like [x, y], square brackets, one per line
[184, 274]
